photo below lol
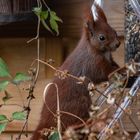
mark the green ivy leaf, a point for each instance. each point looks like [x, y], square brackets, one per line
[4, 72]
[37, 10]
[54, 25]
[19, 116]
[53, 21]
[55, 17]
[21, 77]
[2, 127]
[3, 118]
[3, 85]
[44, 15]
[7, 96]
[54, 136]
[46, 26]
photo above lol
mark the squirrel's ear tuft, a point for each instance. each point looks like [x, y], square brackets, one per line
[88, 18]
[89, 23]
[97, 11]
[99, 3]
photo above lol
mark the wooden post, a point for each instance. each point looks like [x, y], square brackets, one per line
[24, 6]
[5, 7]
[132, 32]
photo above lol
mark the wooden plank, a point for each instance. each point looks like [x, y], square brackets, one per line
[5, 7]
[115, 14]
[19, 55]
[13, 136]
[54, 51]
[23, 6]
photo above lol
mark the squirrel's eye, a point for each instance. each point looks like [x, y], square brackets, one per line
[101, 37]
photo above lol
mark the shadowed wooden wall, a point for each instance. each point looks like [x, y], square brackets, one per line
[72, 13]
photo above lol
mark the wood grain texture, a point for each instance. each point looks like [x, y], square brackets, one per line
[5, 7]
[23, 6]
[13, 136]
[54, 51]
[19, 55]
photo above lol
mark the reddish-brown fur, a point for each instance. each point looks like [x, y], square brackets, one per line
[91, 58]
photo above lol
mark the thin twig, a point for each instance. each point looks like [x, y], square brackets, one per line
[70, 114]
[63, 112]
[57, 70]
[104, 111]
[45, 92]
[46, 5]
[115, 71]
[31, 90]
[58, 114]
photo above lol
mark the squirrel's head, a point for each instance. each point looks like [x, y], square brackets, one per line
[99, 33]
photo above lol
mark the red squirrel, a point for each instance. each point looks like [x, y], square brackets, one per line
[91, 58]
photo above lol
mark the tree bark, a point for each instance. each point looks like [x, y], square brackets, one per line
[132, 33]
